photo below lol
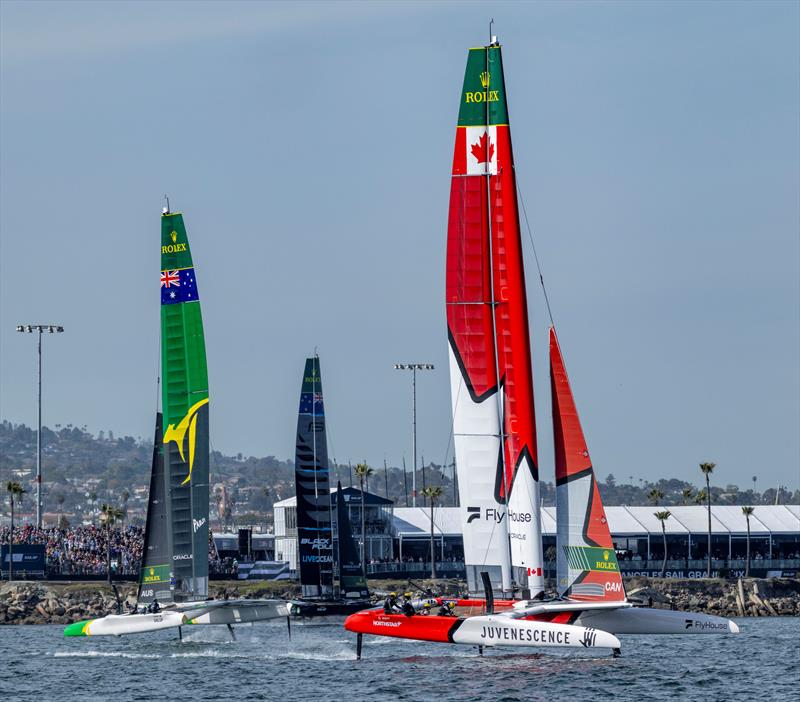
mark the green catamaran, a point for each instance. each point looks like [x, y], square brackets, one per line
[173, 580]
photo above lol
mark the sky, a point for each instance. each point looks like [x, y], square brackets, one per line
[309, 146]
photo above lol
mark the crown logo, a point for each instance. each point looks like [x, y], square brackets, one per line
[152, 571]
[485, 76]
[605, 555]
[174, 236]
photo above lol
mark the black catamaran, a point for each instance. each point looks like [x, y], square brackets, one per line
[322, 551]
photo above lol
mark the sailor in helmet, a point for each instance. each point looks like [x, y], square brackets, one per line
[446, 610]
[426, 608]
[390, 605]
[408, 605]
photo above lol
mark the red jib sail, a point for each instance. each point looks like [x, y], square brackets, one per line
[587, 567]
[490, 356]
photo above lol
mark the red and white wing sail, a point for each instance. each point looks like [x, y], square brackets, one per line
[587, 567]
[490, 356]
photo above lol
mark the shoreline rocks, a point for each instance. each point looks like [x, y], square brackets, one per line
[47, 602]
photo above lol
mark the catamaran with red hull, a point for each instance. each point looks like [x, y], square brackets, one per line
[495, 433]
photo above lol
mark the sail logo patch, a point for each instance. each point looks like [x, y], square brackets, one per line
[178, 435]
[197, 523]
[481, 147]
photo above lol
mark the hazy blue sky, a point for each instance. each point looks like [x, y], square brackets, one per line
[309, 147]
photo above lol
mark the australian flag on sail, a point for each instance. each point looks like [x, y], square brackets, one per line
[178, 286]
[311, 403]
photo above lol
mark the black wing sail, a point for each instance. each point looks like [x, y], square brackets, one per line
[314, 538]
[352, 582]
[154, 574]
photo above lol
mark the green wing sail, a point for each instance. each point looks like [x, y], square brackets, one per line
[185, 409]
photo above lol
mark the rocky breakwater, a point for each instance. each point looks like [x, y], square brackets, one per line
[746, 597]
[31, 602]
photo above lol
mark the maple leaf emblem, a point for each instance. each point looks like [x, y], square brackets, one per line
[479, 150]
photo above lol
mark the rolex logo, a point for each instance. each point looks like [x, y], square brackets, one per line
[485, 76]
[174, 237]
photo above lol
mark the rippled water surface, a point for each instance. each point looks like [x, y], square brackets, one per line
[38, 663]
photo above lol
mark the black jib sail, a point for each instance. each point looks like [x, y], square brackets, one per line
[352, 582]
[314, 537]
[154, 575]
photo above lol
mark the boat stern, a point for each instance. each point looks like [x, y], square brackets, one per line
[78, 628]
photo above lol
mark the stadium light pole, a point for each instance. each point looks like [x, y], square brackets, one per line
[413, 367]
[29, 329]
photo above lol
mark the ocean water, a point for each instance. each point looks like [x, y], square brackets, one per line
[318, 663]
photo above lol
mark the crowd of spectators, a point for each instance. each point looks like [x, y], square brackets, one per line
[82, 550]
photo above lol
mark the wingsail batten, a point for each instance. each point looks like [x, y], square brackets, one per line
[587, 567]
[490, 355]
[186, 412]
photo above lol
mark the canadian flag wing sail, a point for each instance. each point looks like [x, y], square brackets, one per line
[490, 366]
[587, 567]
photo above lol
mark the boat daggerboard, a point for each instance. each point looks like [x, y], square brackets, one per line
[184, 403]
[488, 335]
[587, 567]
[312, 485]
[154, 574]
[352, 581]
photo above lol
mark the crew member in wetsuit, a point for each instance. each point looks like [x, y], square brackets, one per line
[426, 608]
[390, 605]
[154, 607]
[408, 606]
[446, 610]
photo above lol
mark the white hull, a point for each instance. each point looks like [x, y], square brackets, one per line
[117, 624]
[642, 620]
[188, 613]
[499, 630]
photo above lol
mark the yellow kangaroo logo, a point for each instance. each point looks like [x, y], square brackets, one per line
[178, 433]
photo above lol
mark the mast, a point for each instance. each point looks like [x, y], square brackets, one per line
[490, 367]
[185, 405]
[587, 567]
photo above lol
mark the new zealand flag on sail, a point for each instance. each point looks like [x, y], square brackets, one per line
[178, 286]
[311, 403]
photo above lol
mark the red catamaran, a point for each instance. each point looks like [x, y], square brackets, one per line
[495, 432]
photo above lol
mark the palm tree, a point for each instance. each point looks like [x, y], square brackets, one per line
[15, 490]
[655, 496]
[662, 517]
[363, 471]
[110, 515]
[687, 494]
[747, 511]
[708, 469]
[433, 493]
